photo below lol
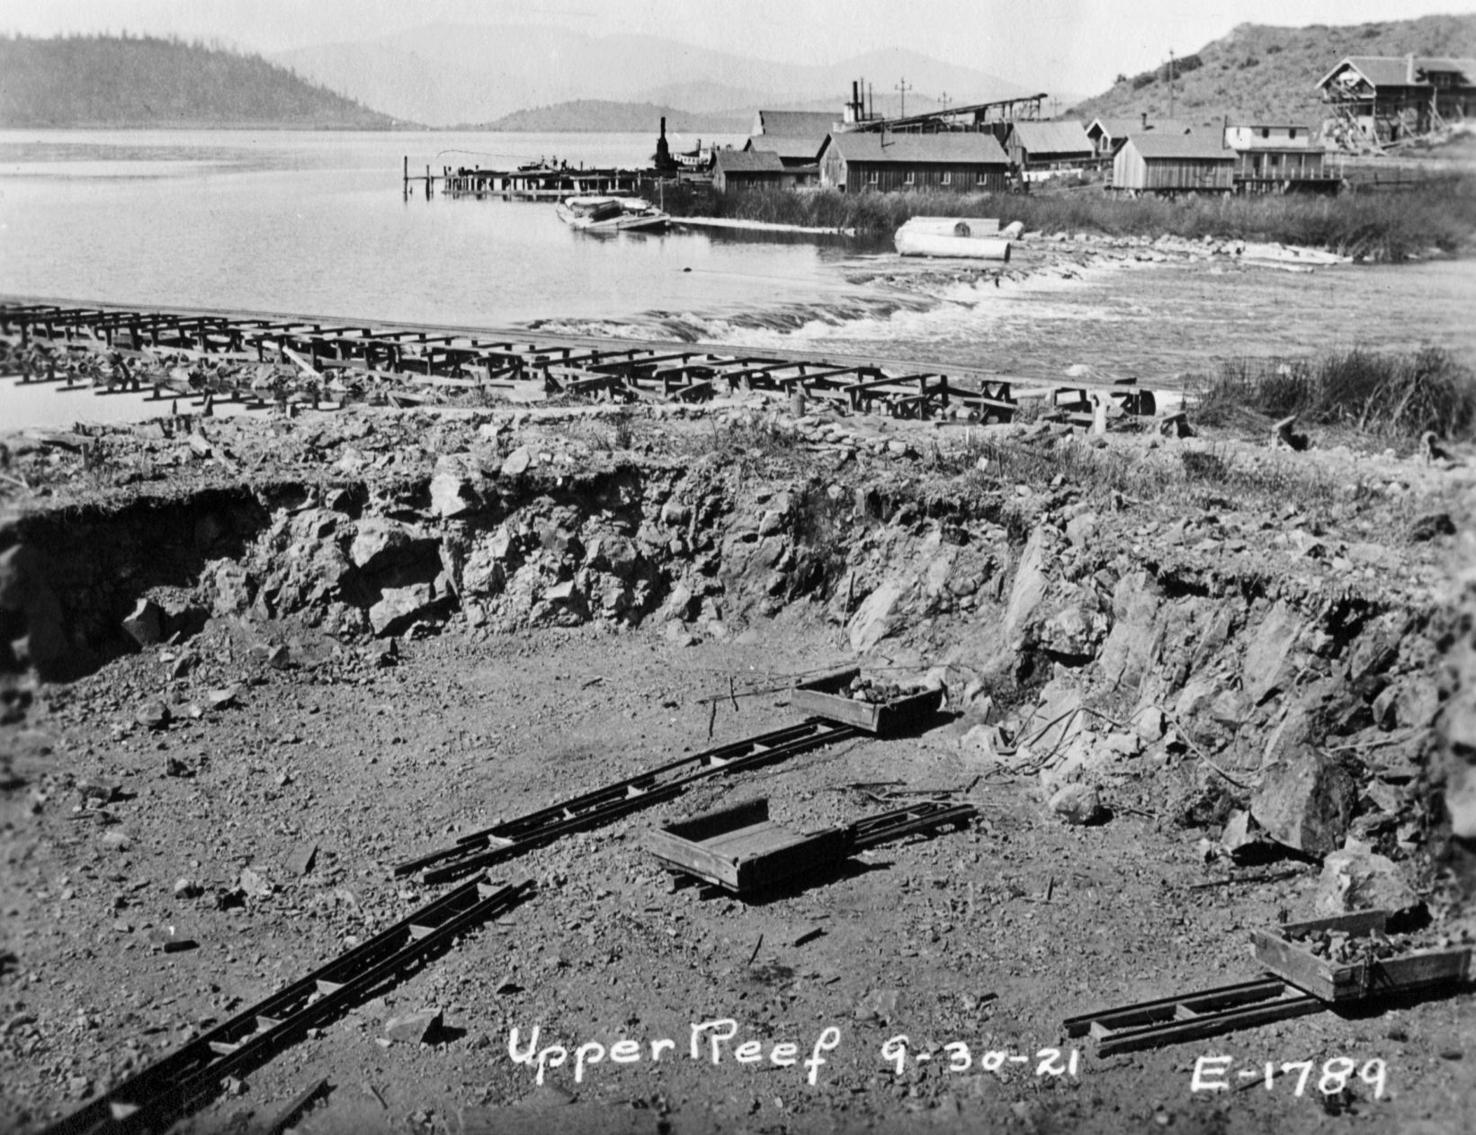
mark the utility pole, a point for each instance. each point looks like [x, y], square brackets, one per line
[904, 88]
[1171, 82]
[943, 100]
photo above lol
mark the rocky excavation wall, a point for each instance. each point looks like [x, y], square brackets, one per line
[1262, 709]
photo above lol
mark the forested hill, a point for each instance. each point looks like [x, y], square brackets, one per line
[1260, 73]
[144, 81]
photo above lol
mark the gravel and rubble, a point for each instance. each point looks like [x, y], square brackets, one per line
[1191, 696]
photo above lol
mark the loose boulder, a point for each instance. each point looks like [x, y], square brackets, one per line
[1305, 802]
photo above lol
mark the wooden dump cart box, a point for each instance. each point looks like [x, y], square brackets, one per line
[741, 850]
[1287, 952]
[826, 697]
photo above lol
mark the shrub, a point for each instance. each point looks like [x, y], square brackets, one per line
[1440, 214]
[1385, 395]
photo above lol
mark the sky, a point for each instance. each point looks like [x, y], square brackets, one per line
[1068, 45]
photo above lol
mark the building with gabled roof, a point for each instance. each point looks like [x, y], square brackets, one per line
[958, 162]
[1278, 158]
[1107, 134]
[1035, 147]
[1172, 164]
[1379, 100]
[737, 170]
[793, 123]
[795, 135]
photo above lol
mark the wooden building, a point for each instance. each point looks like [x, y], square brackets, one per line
[795, 135]
[1380, 100]
[883, 162]
[1278, 158]
[1045, 148]
[1108, 134]
[734, 171]
[1172, 164]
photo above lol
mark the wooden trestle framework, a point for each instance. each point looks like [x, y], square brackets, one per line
[222, 356]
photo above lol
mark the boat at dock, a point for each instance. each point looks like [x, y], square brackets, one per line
[611, 214]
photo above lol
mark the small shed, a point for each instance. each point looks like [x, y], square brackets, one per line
[954, 162]
[1038, 146]
[1173, 163]
[734, 171]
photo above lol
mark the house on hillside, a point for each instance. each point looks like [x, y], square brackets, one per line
[795, 135]
[734, 171]
[886, 162]
[1379, 100]
[1169, 164]
[1278, 158]
[1108, 134]
[1043, 149]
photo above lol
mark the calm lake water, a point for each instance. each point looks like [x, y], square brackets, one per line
[316, 223]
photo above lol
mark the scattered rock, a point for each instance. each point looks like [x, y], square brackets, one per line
[300, 862]
[145, 624]
[1078, 804]
[153, 715]
[398, 607]
[413, 1028]
[253, 885]
[1305, 802]
[517, 461]
[1356, 879]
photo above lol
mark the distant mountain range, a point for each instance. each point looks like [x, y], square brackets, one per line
[1261, 73]
[119, 81]
[446, 74]
[598, 115]
[547, 80]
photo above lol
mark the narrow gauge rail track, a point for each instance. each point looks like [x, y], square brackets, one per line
[345, 360]
[153, 1098]
[593, 809]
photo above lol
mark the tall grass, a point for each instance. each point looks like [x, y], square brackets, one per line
[1439, 214]
[1389, 395]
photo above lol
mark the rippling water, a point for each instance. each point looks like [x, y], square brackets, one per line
[316, 223]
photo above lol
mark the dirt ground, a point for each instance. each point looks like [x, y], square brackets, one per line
[264, 826]
[988, 937]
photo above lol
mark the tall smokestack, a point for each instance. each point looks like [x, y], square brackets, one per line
[856, 100]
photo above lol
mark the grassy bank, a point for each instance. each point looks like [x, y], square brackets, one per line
[1388, 226]
[1391, 396]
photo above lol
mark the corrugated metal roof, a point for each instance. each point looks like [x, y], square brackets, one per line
[787, 147]
[1052, 138]
[748, 161]
[1179, 146]
[953, 148]
[797, 124]
[1122, 127]
[1393, 70]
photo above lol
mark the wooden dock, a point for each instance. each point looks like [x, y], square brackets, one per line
[265, 357]
[535, 183]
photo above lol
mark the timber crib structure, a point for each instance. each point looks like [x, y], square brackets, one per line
[263, 359]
